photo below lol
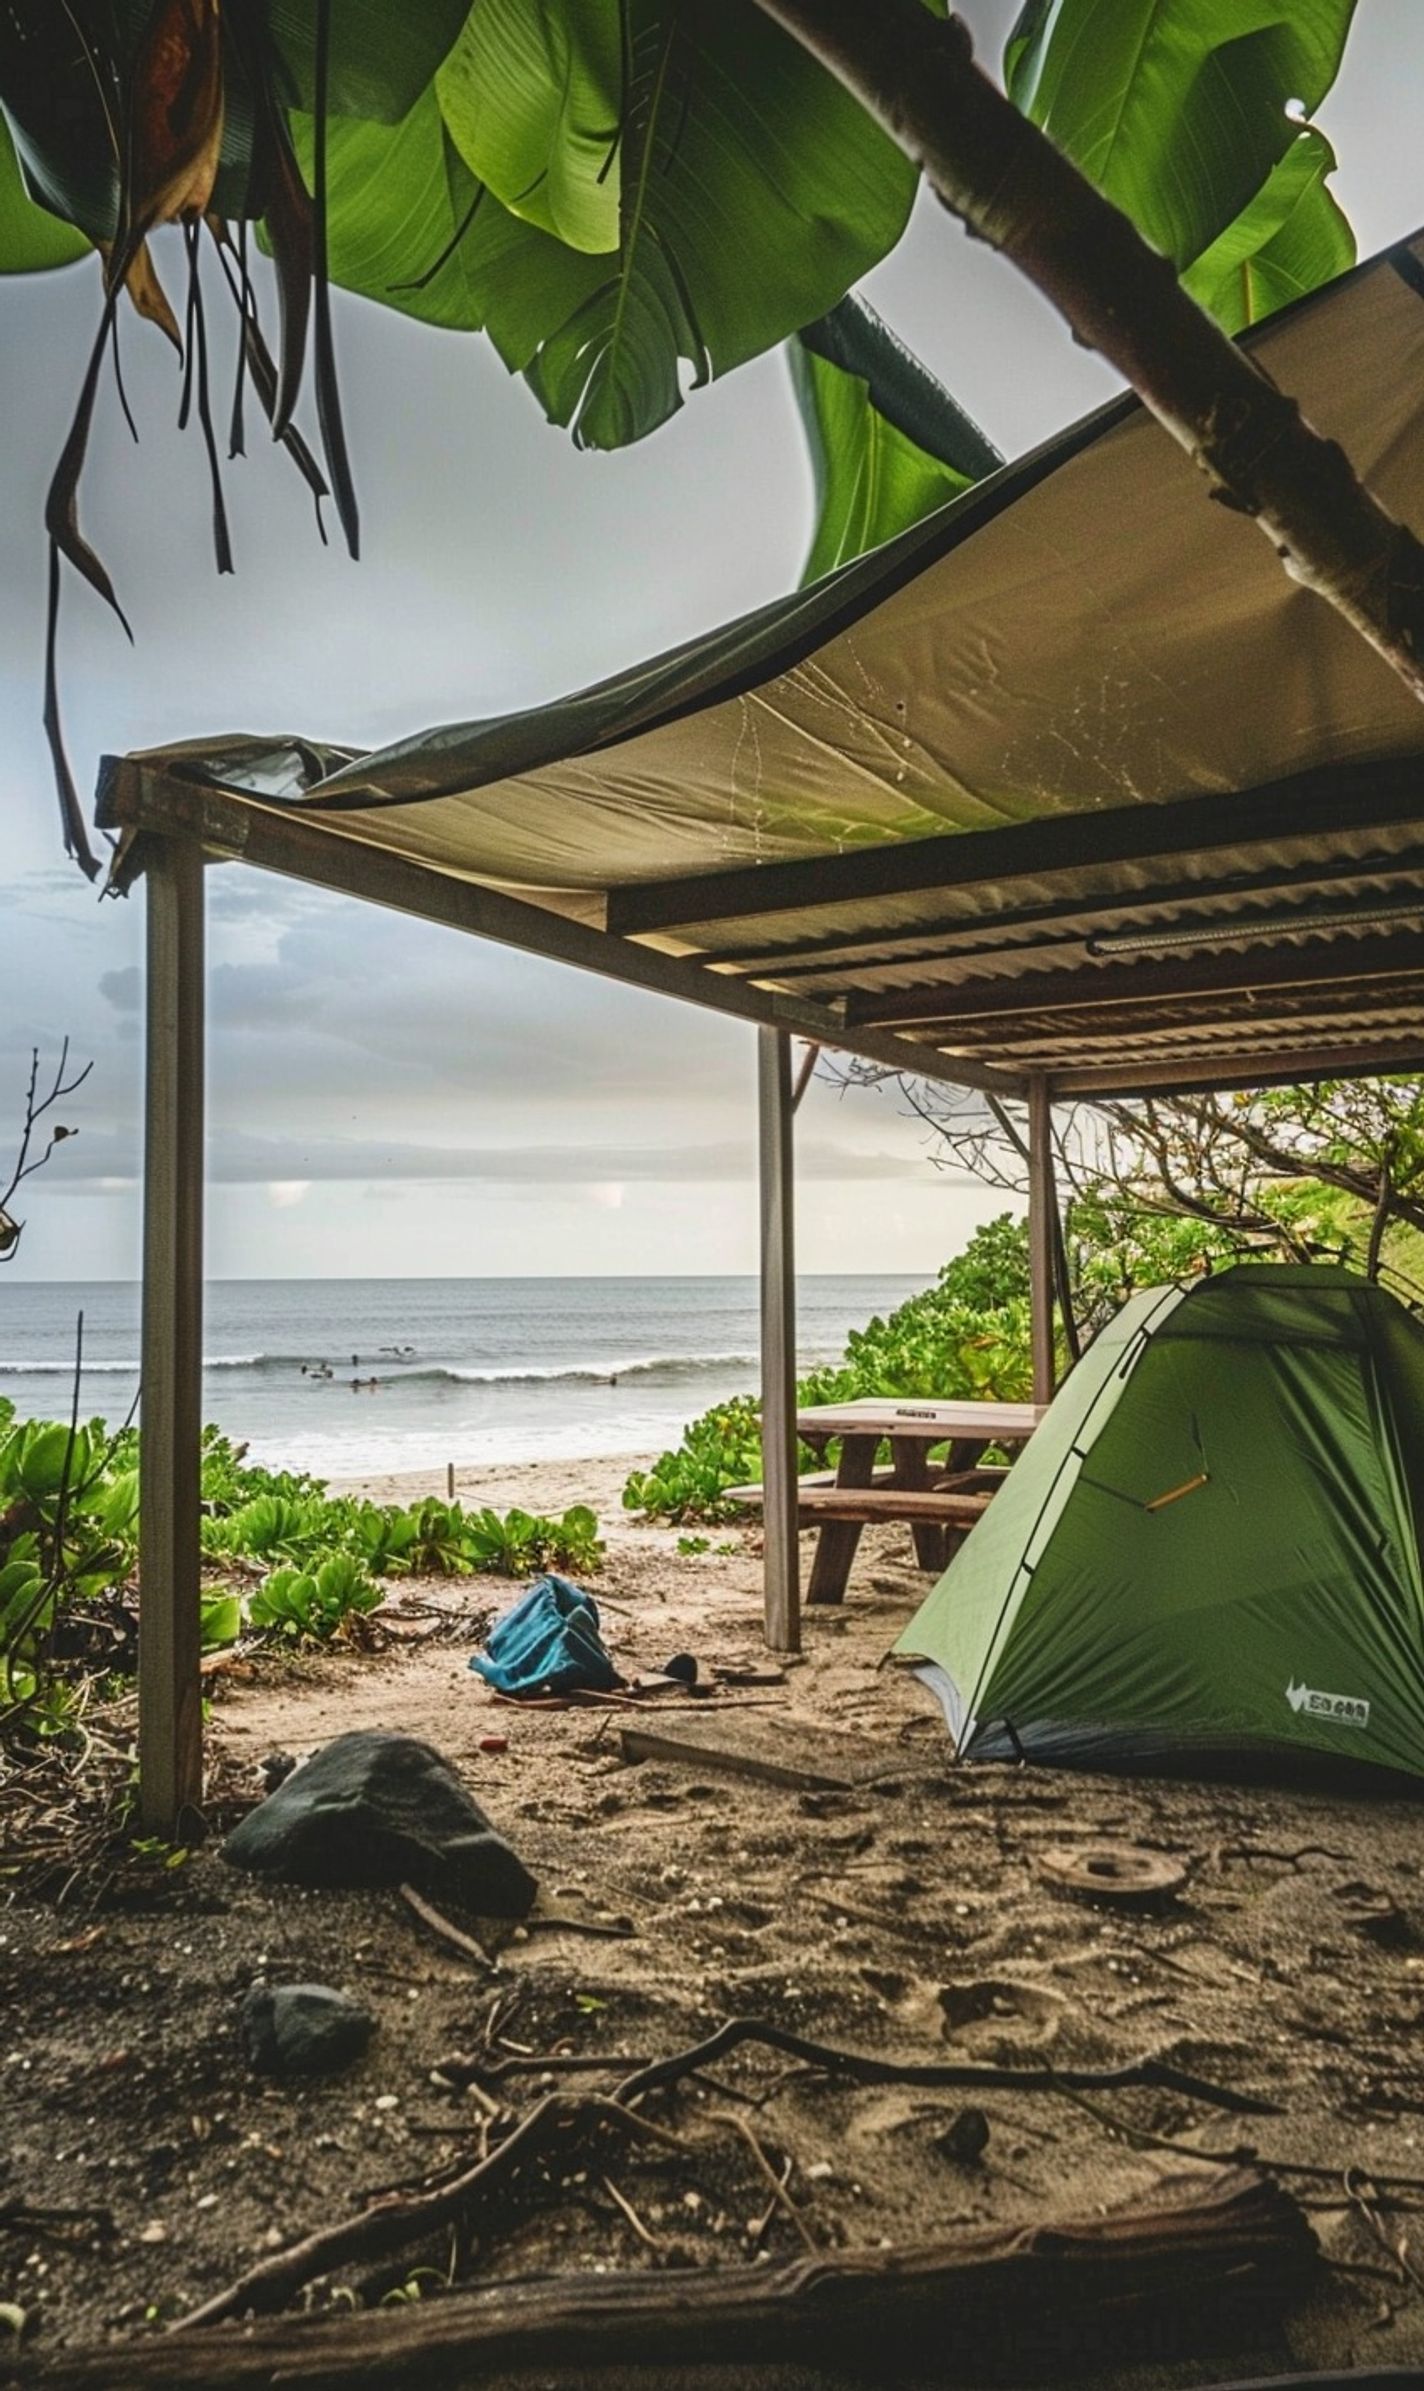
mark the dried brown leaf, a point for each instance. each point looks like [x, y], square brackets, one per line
[175, 118]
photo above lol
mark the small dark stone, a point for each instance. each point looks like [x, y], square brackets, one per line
[683, 1667]
[378, 1809]
[303, 2029]
[965, 2139]
[273, 1768]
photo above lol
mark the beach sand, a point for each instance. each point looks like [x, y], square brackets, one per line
[545, 1486]
[906, 1916]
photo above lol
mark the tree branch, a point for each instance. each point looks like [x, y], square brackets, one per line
[26, 1164]
[1011, 187]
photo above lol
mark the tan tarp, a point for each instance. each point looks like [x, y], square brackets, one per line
[1086, 630]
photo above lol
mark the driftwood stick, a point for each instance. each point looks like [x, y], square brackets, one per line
[1210, 2255]
[940, 2075]
[447, 1930]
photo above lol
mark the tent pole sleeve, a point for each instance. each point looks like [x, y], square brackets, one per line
[1042, 1216]
[781, 1564]
[170, 1731]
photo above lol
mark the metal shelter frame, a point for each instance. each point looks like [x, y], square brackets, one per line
[175, 830]
[1066, 793]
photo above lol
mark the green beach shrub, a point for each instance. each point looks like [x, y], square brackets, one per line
[383, 1536]
[270, 1527]
[69, 1512]
[523, 1541]
[313, 1604]
[440, 1540]
[222, 1618]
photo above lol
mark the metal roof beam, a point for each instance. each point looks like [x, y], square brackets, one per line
[972, 935]
[1101, 987]
[1337, 798]
[1191, 1042]
[1290, 1067]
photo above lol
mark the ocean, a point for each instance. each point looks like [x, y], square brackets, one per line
[466, 1370]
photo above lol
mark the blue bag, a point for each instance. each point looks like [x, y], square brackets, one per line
[548, 1644]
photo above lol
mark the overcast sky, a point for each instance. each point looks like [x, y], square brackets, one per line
[387, 1097]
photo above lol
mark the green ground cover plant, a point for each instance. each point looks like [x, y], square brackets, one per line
[283, 1558]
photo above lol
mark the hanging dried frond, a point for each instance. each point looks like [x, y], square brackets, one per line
[149, 297]
[174, 122]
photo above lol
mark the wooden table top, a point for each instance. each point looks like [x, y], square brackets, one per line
[874, 1416]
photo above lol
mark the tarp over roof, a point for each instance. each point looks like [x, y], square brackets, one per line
[1081, 704]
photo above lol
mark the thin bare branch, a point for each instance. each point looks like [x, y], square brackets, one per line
[27, 1161]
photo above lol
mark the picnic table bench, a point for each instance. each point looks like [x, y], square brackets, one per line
[939, 1502]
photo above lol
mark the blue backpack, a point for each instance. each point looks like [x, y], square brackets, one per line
[548, 1644]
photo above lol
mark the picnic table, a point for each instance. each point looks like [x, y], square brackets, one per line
[940, 1500]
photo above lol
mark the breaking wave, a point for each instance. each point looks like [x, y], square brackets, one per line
[399, 1371]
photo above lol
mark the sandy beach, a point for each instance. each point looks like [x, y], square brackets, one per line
[545, 1486]
[901, 1911]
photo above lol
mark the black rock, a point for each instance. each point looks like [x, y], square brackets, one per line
[303, 2029]
[965, 2139]
[682, 1667]
[377, 1809]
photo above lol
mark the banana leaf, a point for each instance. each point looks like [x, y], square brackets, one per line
[383, 52]
[888, 444]
[398, 196]
[1176, 109]
[31, 239]
[532, 93]
[1291, 239]
[754, 192]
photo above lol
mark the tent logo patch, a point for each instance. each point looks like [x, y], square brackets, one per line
[1343, 1710]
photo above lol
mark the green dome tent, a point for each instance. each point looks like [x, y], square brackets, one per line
[1210, 1548]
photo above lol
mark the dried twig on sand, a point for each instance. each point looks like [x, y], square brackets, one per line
[555, 2133]
[448, 1932]
[942, 2075]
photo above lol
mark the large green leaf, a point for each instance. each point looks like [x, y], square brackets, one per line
[1176, 109]
[383, 52]
[871, 481]
[1291, 239]
[888, 444]
[754, 192]
[398, 196]
[31, 239]
[532, 93]
[599, 344]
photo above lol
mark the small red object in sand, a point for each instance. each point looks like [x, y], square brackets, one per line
[494, 1743]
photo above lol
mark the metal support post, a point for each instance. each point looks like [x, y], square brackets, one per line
[782, 1578]
[1042, 1215]
[170, 1729]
